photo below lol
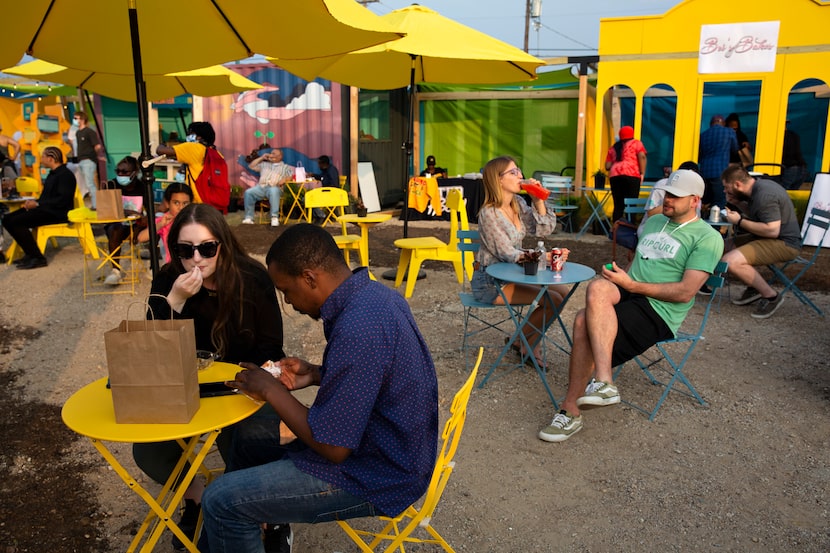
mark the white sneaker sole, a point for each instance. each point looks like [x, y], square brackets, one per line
[597, 401]
[555, 438]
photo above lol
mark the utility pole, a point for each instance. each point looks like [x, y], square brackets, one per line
[533, 9]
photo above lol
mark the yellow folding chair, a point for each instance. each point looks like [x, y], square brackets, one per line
[415, 251]
[399, 529]
[333, 201]
[78, 228]
[327, 198]
[73, 229]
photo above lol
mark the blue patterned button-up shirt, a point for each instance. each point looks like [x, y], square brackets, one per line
[378, 396]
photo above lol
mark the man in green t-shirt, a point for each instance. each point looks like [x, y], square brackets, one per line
[628, 312]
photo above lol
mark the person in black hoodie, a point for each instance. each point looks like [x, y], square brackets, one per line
[52, 207]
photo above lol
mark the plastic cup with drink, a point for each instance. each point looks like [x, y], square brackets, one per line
[535, 189]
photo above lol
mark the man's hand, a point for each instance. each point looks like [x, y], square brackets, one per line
[298, 374]
[617, 275]
[255, 382]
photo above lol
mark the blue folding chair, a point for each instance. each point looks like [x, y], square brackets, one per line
[675, 366]
[468, 244]
[819, 219]
[624, 231]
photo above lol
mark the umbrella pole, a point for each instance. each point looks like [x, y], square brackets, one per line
[391, 274]
[407, 148]
[143, 128]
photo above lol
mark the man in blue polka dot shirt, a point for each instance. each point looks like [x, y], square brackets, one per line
[367, 445]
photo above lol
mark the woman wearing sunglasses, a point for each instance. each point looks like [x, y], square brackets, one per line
[233, 304]
[503, 222]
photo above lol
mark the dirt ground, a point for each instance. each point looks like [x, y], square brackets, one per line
[747, 472]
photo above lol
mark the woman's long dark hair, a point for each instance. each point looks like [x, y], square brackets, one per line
[618, 148]
[232, 261]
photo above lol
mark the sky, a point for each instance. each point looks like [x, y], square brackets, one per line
[567, 27]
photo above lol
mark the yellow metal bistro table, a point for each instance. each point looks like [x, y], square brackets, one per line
[89, 412]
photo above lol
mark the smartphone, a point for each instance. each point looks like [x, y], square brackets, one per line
[213, 389]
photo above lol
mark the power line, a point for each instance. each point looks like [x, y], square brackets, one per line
[563, 35]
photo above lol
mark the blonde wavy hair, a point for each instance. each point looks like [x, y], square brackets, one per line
[493, 195]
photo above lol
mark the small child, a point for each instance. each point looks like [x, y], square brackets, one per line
[177, 196]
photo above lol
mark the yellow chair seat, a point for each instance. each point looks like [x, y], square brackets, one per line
[415, 251]
[77, 227]
[348, 242]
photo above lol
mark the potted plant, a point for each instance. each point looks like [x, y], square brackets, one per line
[357, 205]
[599, 179]
[236, 197]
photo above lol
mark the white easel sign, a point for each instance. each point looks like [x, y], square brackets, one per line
[738, 48]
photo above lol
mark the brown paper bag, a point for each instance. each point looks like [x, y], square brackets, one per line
[152, 370]
[109, 204]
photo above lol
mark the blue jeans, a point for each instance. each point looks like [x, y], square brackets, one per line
[236, 503]
[258, 193]
[260, 486]
[88, 170]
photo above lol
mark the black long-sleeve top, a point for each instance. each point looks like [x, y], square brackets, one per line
[260, 337]
[58, 196]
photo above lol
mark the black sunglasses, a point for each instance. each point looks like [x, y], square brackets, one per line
[205, 249]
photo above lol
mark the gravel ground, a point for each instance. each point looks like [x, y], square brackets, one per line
[747, 472]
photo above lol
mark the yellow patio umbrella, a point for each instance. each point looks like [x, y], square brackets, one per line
[178, 35]
[435, 49]
[164, 36]
[207, 81]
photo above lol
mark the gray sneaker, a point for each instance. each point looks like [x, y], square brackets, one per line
[599, 393]
[750, 295]
[562, 427]
[114, 278]
[766, 307]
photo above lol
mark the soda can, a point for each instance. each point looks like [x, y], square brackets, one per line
[556, 260]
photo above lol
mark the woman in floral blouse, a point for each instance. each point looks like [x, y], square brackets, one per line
[503, 222]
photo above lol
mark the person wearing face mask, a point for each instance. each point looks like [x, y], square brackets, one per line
[90, 153]
[200, 137]
[128, 180]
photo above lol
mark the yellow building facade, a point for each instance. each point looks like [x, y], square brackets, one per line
[643, 51]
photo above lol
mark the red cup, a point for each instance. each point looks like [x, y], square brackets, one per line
[535, 190]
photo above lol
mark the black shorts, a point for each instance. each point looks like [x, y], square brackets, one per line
[640, 327]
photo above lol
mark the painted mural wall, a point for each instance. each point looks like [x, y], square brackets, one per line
[301, 117]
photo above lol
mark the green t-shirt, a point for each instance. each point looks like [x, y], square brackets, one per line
[666, 250]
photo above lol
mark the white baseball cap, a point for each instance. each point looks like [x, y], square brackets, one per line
[683, 182]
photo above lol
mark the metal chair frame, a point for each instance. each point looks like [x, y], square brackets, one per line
[633, 207]
[676, 366]
[819, 219]
[468, 244]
